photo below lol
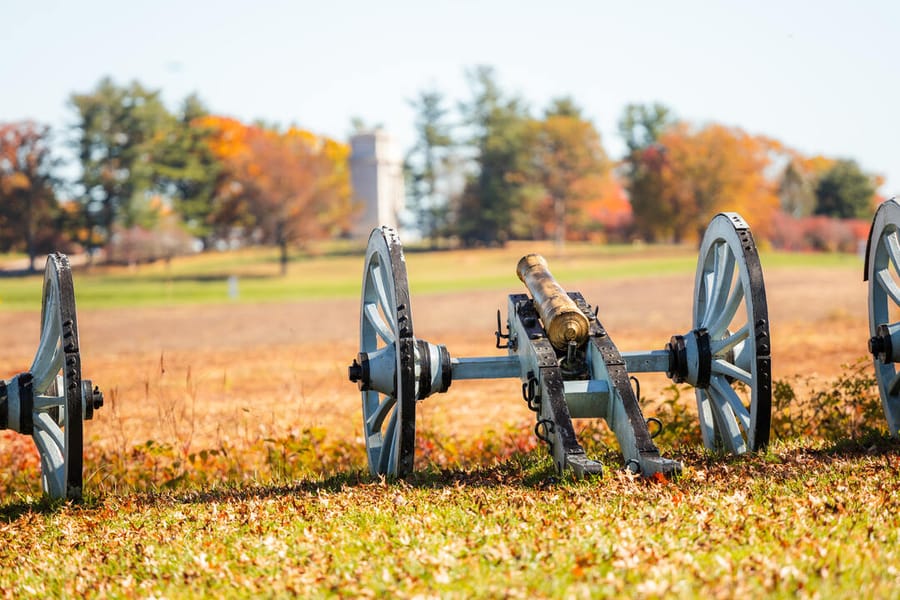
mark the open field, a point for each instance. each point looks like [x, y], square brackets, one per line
[254, 392]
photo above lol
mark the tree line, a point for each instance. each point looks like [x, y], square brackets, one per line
[520, 176]
[482, 172]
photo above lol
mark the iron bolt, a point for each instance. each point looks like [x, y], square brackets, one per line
[355, 371]
[97, 398]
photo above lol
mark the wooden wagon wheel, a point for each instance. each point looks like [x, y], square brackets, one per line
[58, 409]
[883, 274]
[386, 341]
[735, 399]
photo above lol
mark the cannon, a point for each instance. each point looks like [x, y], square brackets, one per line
[51, 401]
[882, 272]
[567, 363]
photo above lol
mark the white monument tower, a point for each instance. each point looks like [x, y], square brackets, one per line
[376, 172]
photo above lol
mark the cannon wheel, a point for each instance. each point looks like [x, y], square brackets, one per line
[883, 274]
[735, 409]
[389, 421]
[56, 380]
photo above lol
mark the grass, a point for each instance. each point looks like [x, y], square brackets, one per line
[804, 519]
[295, 513]
[205, 278]
[488, 517]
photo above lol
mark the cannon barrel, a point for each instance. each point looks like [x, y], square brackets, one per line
[562, 319]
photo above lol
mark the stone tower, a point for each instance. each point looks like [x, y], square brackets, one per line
[376, 172]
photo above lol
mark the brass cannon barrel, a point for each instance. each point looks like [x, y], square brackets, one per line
[562, 319]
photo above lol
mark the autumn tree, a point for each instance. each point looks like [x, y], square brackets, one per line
[490, 203]
[27, 180]
[428, 163]
[284, 187]
[568, 162]
[844, 191]
[716, 168]
[119, 134]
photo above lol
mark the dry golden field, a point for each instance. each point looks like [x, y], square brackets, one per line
[197, 376]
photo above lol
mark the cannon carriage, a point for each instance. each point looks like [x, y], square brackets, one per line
[567, 363]
[51, 401]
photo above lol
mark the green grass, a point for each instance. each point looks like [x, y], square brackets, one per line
[810, 517]
[204, 279]
[803, 520]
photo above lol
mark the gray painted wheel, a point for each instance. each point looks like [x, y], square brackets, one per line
[730, 304]
[56, 379]
[883, 276]
[386, 335]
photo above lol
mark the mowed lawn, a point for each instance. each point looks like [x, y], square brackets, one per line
[206, 278]
[292, 511]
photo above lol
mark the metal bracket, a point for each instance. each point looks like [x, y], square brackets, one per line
[624, 415]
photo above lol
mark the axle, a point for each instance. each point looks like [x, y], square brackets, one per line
[18, 402]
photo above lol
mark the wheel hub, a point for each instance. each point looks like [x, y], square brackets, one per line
[882, 345]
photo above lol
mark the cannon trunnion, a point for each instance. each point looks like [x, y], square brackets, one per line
[567, 363]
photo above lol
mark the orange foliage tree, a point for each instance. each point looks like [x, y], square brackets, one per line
[699, 172]
[570, 166]
[284, 188]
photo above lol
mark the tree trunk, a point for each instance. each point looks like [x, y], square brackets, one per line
[282, 244]
[559, 209]
[29, 234]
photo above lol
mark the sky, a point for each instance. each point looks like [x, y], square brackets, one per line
[821, 77]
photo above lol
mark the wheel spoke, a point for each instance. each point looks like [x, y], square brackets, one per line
[389, 448]
[723, 367]
[48, 438]
[48, 359]
[376, 419]
[718, 347]
[894, 386]
[892, 245]
[378, 275]
[726, 421]
[888, 284]
[707, 423]
[42, 403]
[728, 311]
[374, 318]
[734, 401]
[43, 422]
[722, 283]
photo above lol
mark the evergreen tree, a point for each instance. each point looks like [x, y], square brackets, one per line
[844, 191]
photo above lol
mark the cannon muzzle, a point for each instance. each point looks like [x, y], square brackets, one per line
[562, 319]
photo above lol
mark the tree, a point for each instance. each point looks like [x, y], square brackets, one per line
[569, 163]
[494, 193]
[427, 162]
[796, 191]
[640, 127]
[27, 179]
[713, 169]
[120, 133]
[844, 191]
[286, 187]
[797, 186]
[187, 169]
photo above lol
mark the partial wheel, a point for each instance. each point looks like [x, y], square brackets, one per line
[56, 383]
[387, 355]
[731, 326]
[883, 275]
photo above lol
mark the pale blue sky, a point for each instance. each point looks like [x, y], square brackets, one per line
[823, 77]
